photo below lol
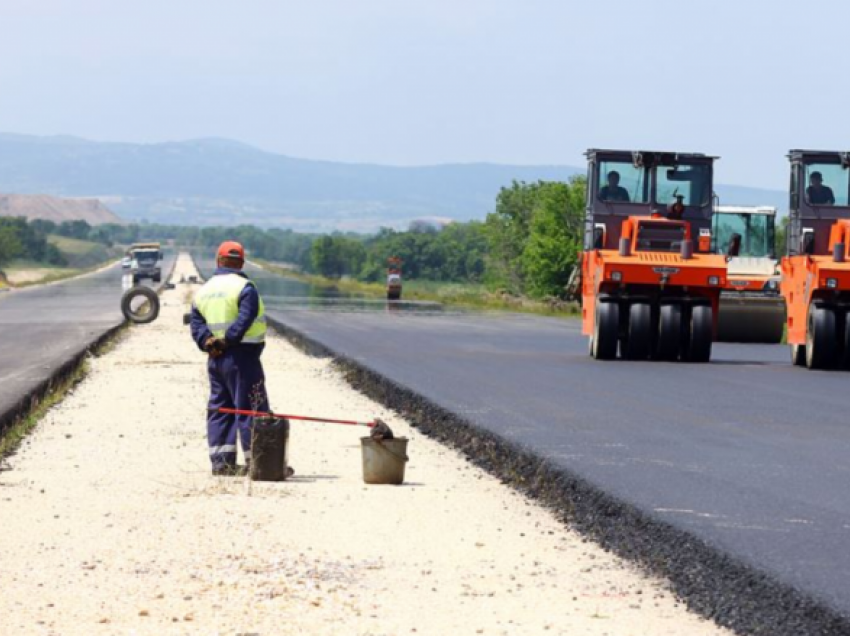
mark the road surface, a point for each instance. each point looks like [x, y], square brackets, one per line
[46, 326]
[748, 453]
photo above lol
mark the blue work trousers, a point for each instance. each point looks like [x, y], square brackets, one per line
[237, 381]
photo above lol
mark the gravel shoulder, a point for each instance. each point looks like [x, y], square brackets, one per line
[112, 523]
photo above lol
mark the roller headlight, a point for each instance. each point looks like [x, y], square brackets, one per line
[832, 283]
[714, 280]
[616, 276]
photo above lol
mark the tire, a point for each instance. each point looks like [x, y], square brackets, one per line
[845, 353]
[669, 333]
[821, 340]
[638, 342]
[701, 334]
[606, 331]
[137, 317]
[798, 355]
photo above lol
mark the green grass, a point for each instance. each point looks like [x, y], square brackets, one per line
[470, 295]
[72, 246]
[82, 257]
[82, 254]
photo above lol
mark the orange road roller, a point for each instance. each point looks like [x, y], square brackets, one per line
[816, 272]
[650, 284]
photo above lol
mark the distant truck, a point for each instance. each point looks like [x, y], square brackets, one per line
[145, 261]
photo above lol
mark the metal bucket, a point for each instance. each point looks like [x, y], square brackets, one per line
[384, 461]
[269, 449]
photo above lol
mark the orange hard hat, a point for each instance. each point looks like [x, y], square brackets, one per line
[231, 249]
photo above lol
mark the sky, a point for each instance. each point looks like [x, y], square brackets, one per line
[414, 82]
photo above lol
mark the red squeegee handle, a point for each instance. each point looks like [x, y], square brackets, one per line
[293, 417]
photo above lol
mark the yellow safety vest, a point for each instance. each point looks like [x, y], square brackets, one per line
[218, 302]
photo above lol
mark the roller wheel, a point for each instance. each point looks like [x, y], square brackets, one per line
[821, 342]
[638, 342]
[669, 332]
[606, 331]
[701, 334]
[798, 355]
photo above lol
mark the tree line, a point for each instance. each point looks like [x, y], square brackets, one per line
[528, 245]
[22, 240]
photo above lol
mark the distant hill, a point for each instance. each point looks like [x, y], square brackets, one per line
[215, 181]
[740, 195]
[40, 206]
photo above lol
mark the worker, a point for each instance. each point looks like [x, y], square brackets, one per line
[229, 325]
[676, 210]
[614, 191]
[817, 193]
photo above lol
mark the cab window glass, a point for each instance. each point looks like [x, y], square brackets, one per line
[826, 184]
[621, 182]
[756, 232]
[692, 183]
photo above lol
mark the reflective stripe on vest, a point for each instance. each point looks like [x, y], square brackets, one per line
[218, 302]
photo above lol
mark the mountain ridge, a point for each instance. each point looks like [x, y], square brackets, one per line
[214, 180]
[56, 209]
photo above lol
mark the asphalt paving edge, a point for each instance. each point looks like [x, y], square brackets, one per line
[71, 366]
[711, 583]
[28, 403]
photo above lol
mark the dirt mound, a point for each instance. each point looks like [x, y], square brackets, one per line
[42, 206]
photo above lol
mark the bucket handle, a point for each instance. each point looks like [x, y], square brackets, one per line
[401, 458]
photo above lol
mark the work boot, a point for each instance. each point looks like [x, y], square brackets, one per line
[226, 470]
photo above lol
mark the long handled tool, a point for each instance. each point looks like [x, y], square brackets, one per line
[379, 429]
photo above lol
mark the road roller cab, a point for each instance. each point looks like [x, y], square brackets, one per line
[816, 272]
[650, 285]
[751, 307]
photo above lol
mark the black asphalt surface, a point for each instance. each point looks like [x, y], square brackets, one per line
[45, 327]
[748, 453]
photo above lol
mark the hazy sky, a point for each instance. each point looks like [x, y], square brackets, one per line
[435, 81]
